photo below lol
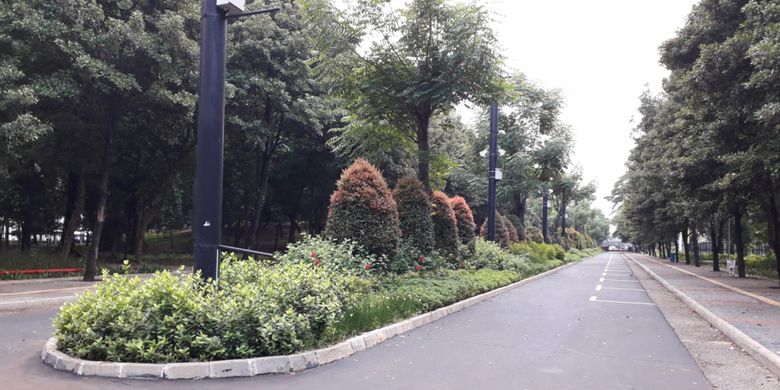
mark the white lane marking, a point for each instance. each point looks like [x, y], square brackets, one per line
[603, 274]
[595, 299]
[598, 287]
[623, 288]
[601, 279]
[621, 280]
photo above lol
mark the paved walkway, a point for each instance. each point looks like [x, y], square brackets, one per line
[752, 305]
[589, 326]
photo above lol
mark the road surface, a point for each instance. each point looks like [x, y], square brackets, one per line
[589, 326]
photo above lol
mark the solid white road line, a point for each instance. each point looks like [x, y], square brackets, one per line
[595, 299]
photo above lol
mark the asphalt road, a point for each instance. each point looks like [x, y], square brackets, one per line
[590, 326]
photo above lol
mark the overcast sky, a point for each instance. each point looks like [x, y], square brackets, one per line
[601, 54]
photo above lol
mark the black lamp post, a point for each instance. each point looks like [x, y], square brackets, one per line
[207, 219]
[493, 154]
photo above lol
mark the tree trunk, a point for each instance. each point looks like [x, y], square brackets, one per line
[423, 152]
[520, 207]
[686, 248]
[774, 229]
[695, 244]
[74, 220]
[146, 217]
[25, 241]
[739, 242]
[90, 270]
[563, 217]
[264, 158]
[676, 250]
[713, 242]
[545, 200]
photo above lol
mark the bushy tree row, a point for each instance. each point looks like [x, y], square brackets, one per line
[365, 211]
[707, 160]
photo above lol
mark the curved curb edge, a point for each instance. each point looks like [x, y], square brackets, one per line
[269, 364]
[753, 347]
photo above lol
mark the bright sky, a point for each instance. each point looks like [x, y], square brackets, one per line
[601, 54]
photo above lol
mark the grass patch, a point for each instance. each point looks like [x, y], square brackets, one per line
[392, 299]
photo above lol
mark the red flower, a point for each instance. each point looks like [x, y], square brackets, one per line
[317, 262]
[367, 266]
[418, 267]
[422, 258]
[313, 254]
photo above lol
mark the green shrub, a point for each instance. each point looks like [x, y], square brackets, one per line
[490, 255]
[410, 259]
[362, 209]
[538, 252]
[445, 227]
[466, 225]
[401, 297]
[414, 213]
[254, 310]
[346, 257]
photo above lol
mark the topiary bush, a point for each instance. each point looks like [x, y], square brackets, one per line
[414, 213]
[465, 221]
[533, 233]
[511, 229]
[445, 226]
[362, 209]
[501, 233]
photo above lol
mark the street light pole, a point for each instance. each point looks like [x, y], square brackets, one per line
[493, 154]
[207, 219]
[545, 200]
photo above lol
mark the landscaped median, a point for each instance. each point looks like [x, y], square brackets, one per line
[266, 318]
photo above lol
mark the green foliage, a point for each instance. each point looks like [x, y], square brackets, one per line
[345, 257]
[414, 214]
[401, 297]
[445, 226]
[465, 221]
[538, 252]
[254, 310]
[490, 255]
[410, 259]
[363, 210]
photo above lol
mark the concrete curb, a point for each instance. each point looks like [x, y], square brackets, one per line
[30, 303]
[753, 347]
[268, 364]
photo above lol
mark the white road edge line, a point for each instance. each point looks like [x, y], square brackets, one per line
[623, 302]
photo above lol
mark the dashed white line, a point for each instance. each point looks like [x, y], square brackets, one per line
[622, 288]
[598, 287]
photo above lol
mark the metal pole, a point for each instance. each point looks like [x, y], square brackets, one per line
[545, 200]
[491, 231]
[207, 221]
